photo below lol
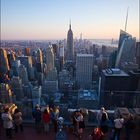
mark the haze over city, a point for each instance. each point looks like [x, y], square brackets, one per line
[49, 19]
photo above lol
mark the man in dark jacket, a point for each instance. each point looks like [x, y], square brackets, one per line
[37, 117]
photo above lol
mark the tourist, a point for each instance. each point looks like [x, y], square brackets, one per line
[74, 122]
[54, 117]
[104, 123]
[46, 120]
[118, 126]
[37, 118]
[7, 122]
[99, 115]
[80, 124]
[18, 120]
[129, 126]
[97, 134]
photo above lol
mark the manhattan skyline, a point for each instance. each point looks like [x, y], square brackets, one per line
[47, 19]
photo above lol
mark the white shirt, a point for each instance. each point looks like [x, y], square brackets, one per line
[119, 122]
[7, 120]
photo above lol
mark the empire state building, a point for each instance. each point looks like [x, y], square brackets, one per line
[70, 51]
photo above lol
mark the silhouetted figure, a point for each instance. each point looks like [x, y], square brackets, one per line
[54, 117]
[104, 123]
[129, 127]
[37, 117]
[18, 120]
[74, 122]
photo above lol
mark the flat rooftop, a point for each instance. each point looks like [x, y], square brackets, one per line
[85, 55]
[114, 72]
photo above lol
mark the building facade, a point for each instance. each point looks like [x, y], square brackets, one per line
[84, 67]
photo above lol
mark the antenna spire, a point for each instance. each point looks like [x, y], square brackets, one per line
[70, 24]
[126, 19]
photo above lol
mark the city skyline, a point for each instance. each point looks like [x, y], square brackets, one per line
[43, 20]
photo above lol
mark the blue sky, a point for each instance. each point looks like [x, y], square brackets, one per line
[49, 19]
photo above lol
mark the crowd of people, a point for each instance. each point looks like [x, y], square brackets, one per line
[51, 117]
[12, 121]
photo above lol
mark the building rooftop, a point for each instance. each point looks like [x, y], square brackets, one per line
[87, 95]
[114, 72]
[85, 55]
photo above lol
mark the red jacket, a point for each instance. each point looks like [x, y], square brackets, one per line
[46, 118]
[98, 135]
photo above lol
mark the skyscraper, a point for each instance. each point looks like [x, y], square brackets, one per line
[4, 66]
[114, 87]
[39, 56]
[23, 74]
[61, 57]
[70, 49]
[16, 85]
[26, 61]
[50, 58]
[11, 57]
[27, 51]
[84, 66]
[138, 54]
[5, 93]
[126, 49]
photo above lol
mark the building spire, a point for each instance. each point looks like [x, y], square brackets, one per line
[70, 24]
[126, 19]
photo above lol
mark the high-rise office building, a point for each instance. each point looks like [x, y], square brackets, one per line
[49, 58]
[61, 57]
[126, 49]
[14, 71]
[39, 56]
[70, 48]
[16, 85]
[5, 93]
[36, 95]
[50, 87]
[114, 88]
[84, 67]
[26, 61]
[112, 59]
[23, 74]
[11, 57]
[138, 54]
[27, 51]
[4, 65]
[52, 75]
[104, 50]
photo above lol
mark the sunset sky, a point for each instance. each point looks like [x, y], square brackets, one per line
[49, 19]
